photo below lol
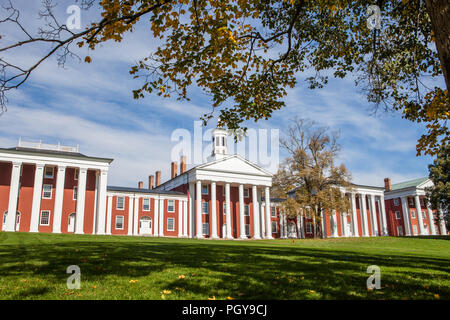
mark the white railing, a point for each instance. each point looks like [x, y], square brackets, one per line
[46, 146]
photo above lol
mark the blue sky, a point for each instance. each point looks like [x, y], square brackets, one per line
[92, 105]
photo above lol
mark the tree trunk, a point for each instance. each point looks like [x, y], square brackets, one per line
[439, 12]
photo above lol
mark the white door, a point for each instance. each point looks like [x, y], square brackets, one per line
[17, 221]
[292, 230]
[71, 225]
[145, 226]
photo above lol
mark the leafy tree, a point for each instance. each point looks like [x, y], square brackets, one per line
[246, 53]
[439, 173]
[309, 174]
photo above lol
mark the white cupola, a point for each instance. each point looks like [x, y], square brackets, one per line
[219, 142]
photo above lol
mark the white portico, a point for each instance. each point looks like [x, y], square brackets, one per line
[234, 213]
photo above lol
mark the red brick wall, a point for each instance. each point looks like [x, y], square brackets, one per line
[5, 181]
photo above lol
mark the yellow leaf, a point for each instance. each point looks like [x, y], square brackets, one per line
[87, 59]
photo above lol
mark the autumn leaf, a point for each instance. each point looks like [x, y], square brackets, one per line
[87, 59]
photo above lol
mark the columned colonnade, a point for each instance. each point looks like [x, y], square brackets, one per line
[262, 226]
[59, 173]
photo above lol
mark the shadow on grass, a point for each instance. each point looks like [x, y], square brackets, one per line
[245, 272]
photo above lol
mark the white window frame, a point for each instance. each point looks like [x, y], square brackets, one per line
[43, 191]
[123, 222]
[207, 189]
[5, 214]
[205, 224]
[224, 208]
[398, 216]
[76, 173]
[247, 230]
[424, 214]
[396, 202]
[168, 205]
[273, 211]
[117, 203]
[309, 226]
[75, 193]
[49, 176]
[248, 193]
[173, 224]
[415, 231]
[207, 207]
[246, 210]
[40, 218]
[276, 227]
[411, 201]
[412, 213]
[143, 204]
[223, 191]
[400, 230]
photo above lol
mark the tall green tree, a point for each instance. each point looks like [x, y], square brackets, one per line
[246, 53]
[315, 183]
[439, 173]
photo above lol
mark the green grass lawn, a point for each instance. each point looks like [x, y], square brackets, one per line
[33, 266]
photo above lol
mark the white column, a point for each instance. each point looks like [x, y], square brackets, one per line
[180, 218]
[442, 223]
[130, 215]
[191, 209]
[198, 192]
[59, 193]
[354, 216]
[185, 217]
[255, 206]
[161, 217]
[10, 223]
[136, 216]
[156, 217]
[299, 230]
[241, 213]
[285, 226]
[101, 207]
[419, 215]
[228, 211]
[268, 218]
[109, 217]
[323, 218]
[406, 217]
[95, 219]
[314, 225]
[344, 224]
[374, 216]
[363, 208]
[262, 213]
[384, 231]
[213, 211]
[334, 224]
[81, 197]
[431, 219]
[37, 191]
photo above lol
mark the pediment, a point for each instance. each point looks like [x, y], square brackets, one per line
[234, 163]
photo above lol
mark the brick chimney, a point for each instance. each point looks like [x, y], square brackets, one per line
[182, 164]
[151, 182]
[141, 185]
[158, 178]
[387, 184]
[174, 169]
